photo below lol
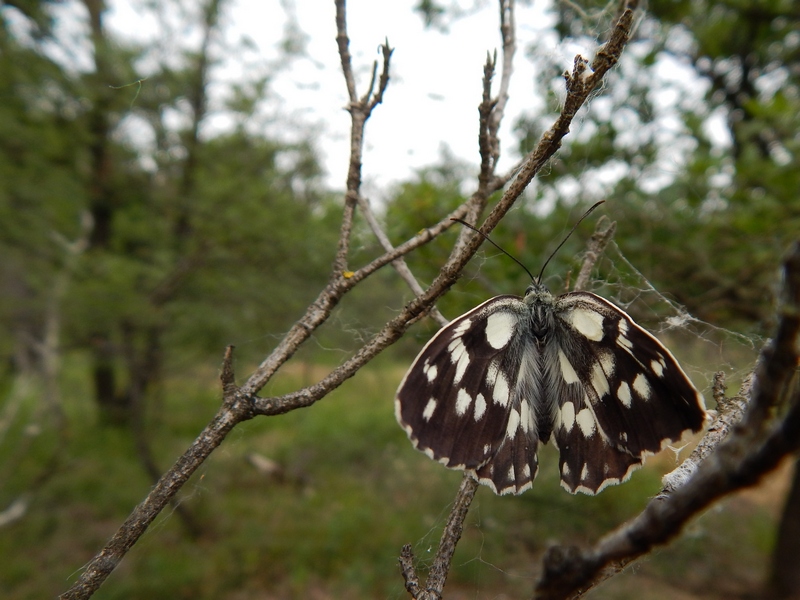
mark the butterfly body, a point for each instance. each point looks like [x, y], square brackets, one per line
[574, 369]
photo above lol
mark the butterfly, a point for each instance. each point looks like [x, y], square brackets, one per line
[573, 369]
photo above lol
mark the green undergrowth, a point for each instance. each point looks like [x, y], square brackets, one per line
[318, 503]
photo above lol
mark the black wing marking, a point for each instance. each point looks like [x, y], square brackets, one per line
[467, 399]
[621, 395]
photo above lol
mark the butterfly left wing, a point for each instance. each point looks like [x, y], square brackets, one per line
[462, 402]
[620, 393]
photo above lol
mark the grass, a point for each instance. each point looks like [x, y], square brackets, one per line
[349, 492]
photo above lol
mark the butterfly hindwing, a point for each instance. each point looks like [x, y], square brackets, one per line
[461, 402]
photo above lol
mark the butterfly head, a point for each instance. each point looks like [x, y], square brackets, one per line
[538, 294]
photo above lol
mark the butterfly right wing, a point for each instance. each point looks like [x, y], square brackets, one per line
[460, 402]
[620, 393]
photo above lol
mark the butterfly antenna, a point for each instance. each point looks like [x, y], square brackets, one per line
[509, 255]
[488, 239]
[564, 241]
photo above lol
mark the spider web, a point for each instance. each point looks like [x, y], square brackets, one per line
[701, 347]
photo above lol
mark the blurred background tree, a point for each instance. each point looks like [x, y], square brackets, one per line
[696, 144]
[181, 231]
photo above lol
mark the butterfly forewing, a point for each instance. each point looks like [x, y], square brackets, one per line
[461, 401]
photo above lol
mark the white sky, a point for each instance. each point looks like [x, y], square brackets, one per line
[433, 94]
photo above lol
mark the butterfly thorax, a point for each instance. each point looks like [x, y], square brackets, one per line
[541, 303]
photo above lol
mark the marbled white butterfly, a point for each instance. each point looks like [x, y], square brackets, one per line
[574, 369]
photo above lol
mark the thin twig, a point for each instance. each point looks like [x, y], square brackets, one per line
[399, 264]
[235, 409]
[508, 30]
[603, 233]
[437, 576]
[343, 42]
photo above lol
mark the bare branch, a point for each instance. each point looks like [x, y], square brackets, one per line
[488, 144]
[343, 42]
[580, 83]
[603, 234]
[508, 29]
[437, 576]
[729, 415]
[749, 452]
[235, 409]
[406, 561]
[399, 264]
[377, 98]
[360, 111]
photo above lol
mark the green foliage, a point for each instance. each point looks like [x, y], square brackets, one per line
[195, 238]
[713, 233]
[348, 493]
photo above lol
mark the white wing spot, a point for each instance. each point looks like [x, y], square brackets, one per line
[658, 366]
[480, 407]
[567, 416]
[565, 469]
[589, 323]
[623, 436]
[460, 357]
[499, 329]
[526, 471]
[486, 448]
[525, 416]
[513, 424]
[599, 381]
[462, 328]
[641, 387]
[429, 408]
[624, 394]
[491, 374]
[622, 326]
[463, 400]
[624, 342]
[511, 474]
[456, 348]
[585, 472]
[501, 391]
[567, 370]
[608, 364]
[585, 420]
[431, 371]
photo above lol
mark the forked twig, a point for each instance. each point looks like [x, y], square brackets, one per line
[399, 264]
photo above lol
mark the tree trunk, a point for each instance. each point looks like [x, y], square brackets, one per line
[115, 408]
[785, 577]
